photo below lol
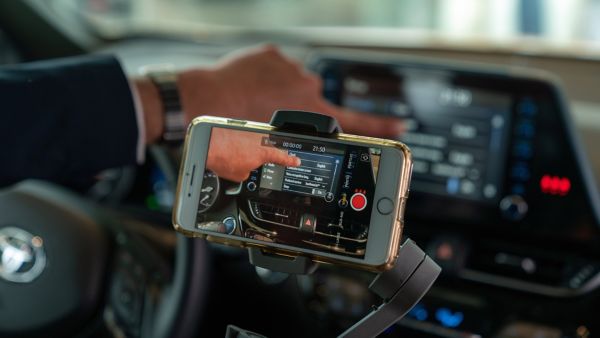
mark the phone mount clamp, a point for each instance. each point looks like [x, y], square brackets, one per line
[400, 288]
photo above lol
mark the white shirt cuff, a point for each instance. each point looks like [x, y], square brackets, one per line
[141, 146]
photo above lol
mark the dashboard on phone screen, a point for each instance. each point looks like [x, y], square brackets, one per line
[323, 204]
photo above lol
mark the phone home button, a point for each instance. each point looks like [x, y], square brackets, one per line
[385, 206]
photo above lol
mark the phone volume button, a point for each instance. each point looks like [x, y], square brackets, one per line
[401, 209]
[236, 122]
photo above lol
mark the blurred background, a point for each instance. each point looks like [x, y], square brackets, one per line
[488, 288]
[555, 23]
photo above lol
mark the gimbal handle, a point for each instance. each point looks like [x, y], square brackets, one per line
[400, 288]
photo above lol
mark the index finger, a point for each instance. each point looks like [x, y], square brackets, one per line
[363, 123]
[281, 157]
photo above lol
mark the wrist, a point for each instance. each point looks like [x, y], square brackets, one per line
[152, 109]
[201, 93]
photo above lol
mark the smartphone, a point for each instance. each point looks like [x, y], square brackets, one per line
[343, 204]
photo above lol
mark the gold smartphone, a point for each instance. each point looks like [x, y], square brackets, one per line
[343, 204]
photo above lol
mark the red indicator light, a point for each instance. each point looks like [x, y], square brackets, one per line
[555, 185]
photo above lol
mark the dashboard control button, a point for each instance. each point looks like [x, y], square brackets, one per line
[523, 150]
[308, 223]
[527, 107]
[450, 252]
[358, 201]
[251, 186]
[513, 207]
[329, 196]
[385, 206]
[520, 172]
[230, 224]
[343, 202]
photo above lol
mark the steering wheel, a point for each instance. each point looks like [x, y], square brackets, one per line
[68, 267]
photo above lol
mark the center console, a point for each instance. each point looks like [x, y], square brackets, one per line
[501, 193]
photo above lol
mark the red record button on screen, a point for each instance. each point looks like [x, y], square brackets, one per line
[358, 201]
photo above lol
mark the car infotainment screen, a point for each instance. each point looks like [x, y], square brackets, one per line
[455, 132]
[322, 204]
[499, 175]
[320, 169]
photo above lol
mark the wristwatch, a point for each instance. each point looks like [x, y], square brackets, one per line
[165, 79]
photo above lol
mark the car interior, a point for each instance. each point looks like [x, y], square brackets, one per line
[501, 106]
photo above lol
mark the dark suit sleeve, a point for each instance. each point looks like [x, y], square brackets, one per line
[65, 119]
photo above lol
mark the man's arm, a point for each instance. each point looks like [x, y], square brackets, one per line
[65, 118]
[251, 84]
[72, 118]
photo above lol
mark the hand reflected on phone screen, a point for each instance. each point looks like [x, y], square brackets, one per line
[232, 154]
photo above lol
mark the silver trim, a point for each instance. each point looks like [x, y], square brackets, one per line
[234, 190]
[22, 255]
[530, 287]
[235, 224]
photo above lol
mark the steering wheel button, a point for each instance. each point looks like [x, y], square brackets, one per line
[358, 201]
[385, 206]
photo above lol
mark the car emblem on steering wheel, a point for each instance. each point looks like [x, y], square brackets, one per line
[22, 256]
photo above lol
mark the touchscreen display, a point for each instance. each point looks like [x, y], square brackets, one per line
[323, 203]
[320, 168]
[457, 133]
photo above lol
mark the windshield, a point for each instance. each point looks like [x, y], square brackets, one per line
[556, 22]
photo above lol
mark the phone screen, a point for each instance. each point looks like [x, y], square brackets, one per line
[322, 204]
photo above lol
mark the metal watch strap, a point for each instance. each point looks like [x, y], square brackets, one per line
[174, 126]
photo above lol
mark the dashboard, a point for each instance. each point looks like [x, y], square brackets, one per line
[501, 193]
[502, 197]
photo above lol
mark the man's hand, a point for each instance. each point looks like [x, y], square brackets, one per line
[251, 84]
[232, 154]
[261, 80]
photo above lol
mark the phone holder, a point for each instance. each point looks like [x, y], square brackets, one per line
[400, 288]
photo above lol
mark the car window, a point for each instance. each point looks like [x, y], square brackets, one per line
[556, 21]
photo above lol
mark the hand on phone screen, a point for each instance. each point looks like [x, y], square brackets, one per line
[232, 154]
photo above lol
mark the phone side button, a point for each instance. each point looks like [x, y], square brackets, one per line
[385, 206]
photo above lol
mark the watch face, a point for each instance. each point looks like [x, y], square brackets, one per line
[175, 127]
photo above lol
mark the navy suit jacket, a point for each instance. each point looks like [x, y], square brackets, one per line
[65, 119]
